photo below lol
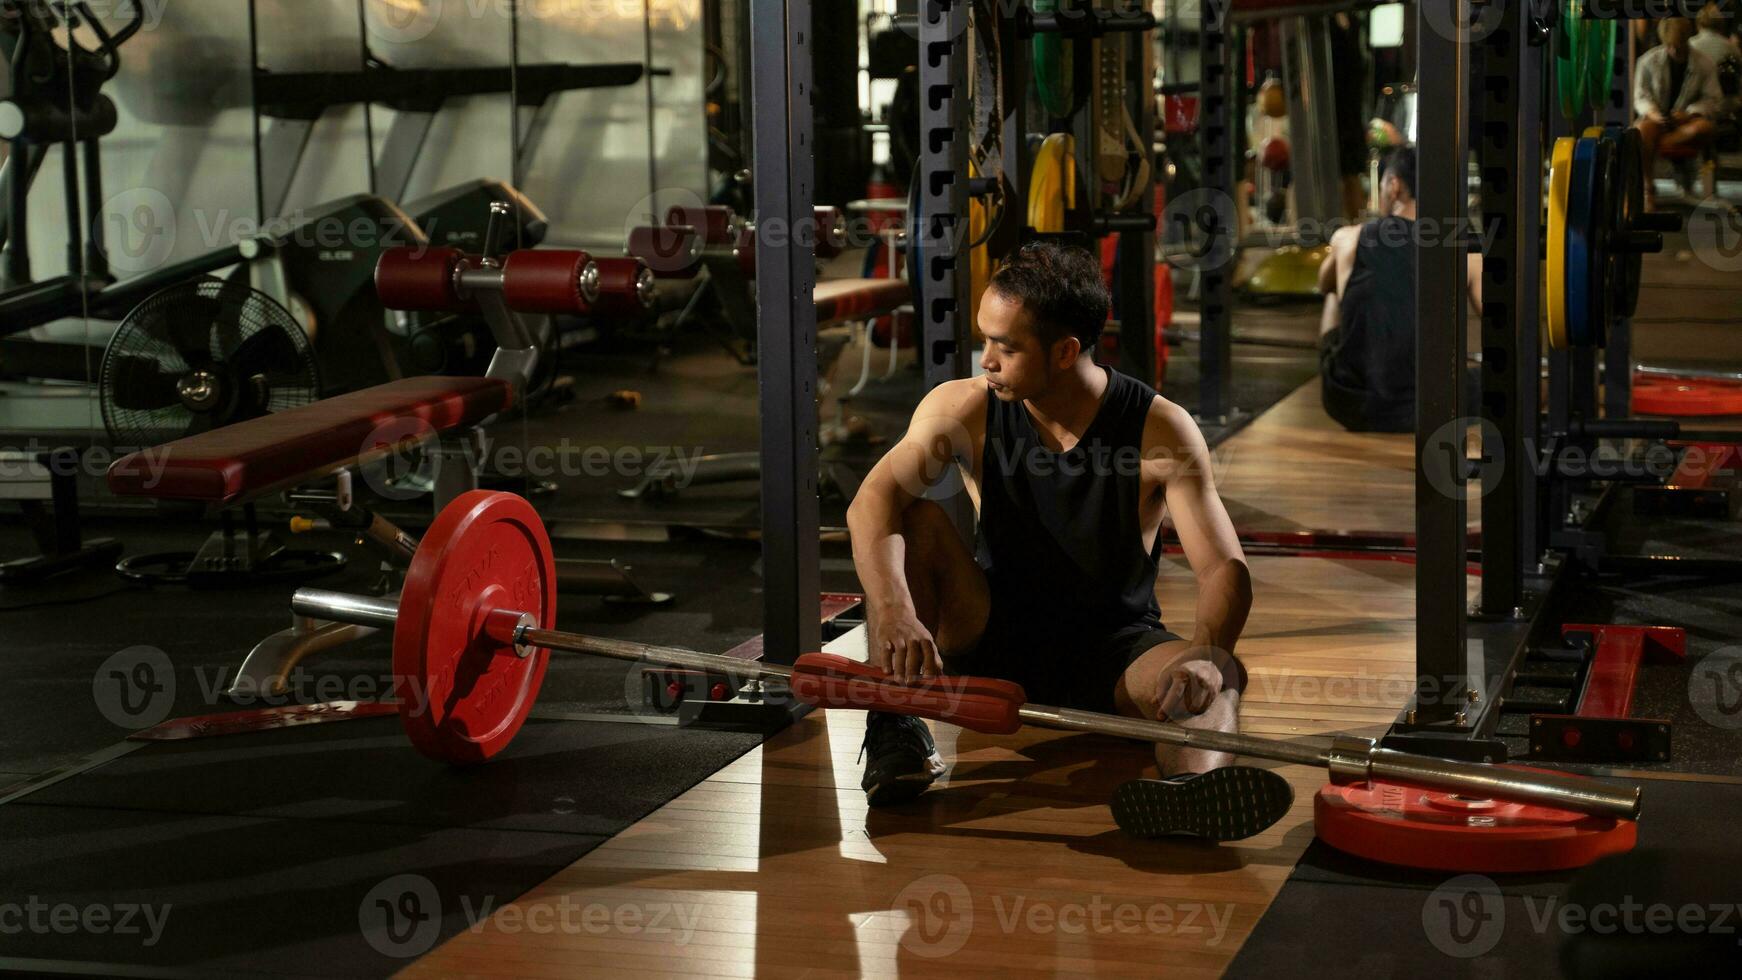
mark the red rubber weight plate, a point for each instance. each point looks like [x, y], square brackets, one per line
[462, 694]
[1435, 830]
[1660, 395]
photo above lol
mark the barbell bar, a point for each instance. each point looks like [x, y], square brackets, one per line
[471, 664]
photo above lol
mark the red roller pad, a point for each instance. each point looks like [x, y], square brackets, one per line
[978, 703]
[671, 252]
[716, 222]
[545, 281]
[744, 250]
[621, 289]
[419, 279]
[831, 232]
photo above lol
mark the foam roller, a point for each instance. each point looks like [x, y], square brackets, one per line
[716, 222]
[420, 279]
[553, 281]
[625, 287]
[831, 232]
[670, 252]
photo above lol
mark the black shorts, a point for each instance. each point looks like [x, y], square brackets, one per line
[1065, 668]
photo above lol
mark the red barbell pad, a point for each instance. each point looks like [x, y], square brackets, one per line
[672, 252]
[625, 287]
[420, 279]
[981, 704]
[831, 232]
[716, 222]
[545, 281]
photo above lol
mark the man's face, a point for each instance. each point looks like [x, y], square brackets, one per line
[1390, 188]
[1677, 45]
[1016, 365]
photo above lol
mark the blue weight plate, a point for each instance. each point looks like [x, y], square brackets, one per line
[1583, 249]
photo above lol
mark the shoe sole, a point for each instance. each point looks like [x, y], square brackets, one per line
[1232, 803]
[891, 788]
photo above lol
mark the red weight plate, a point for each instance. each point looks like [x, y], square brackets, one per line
[1661, 395]
[1440, 831]
[463, 694]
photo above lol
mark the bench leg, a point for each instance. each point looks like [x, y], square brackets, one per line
[264, 671]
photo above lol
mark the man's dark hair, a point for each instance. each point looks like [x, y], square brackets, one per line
[1401, 164]
[1061, 289]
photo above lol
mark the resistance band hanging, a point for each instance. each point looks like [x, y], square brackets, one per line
[1571, 72]
[1053, 67]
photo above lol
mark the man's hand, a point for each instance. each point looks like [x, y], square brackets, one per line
[903, 647]
[1658, 116]
[1679, 117]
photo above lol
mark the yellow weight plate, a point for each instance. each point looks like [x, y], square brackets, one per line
[979, 259]
[1052, 186]
[1559, 181]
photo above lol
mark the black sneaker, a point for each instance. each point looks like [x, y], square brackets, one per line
[903, 758]
[1231, 803]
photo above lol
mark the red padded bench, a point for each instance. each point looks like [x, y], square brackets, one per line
[860, 299]
[249, 459]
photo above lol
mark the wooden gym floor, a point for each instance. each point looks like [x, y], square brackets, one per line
[775, 867]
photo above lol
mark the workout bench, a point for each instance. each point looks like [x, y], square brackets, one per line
[289, 451]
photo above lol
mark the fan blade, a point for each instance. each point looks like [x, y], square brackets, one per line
[268, 352]
[140, 384]
[188, 325]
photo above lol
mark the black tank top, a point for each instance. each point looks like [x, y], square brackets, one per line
[1373, 362]
[1059, 532]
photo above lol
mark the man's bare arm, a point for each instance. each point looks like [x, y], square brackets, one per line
[1207, 535]
[940, 432]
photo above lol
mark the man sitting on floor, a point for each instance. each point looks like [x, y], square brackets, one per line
[1677, 98]
[1368, 332]
[1071, 466]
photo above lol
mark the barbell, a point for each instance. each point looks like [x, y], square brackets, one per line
[473, 626]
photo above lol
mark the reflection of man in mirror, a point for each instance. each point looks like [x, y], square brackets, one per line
[1367, 335]
[1677, 100]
